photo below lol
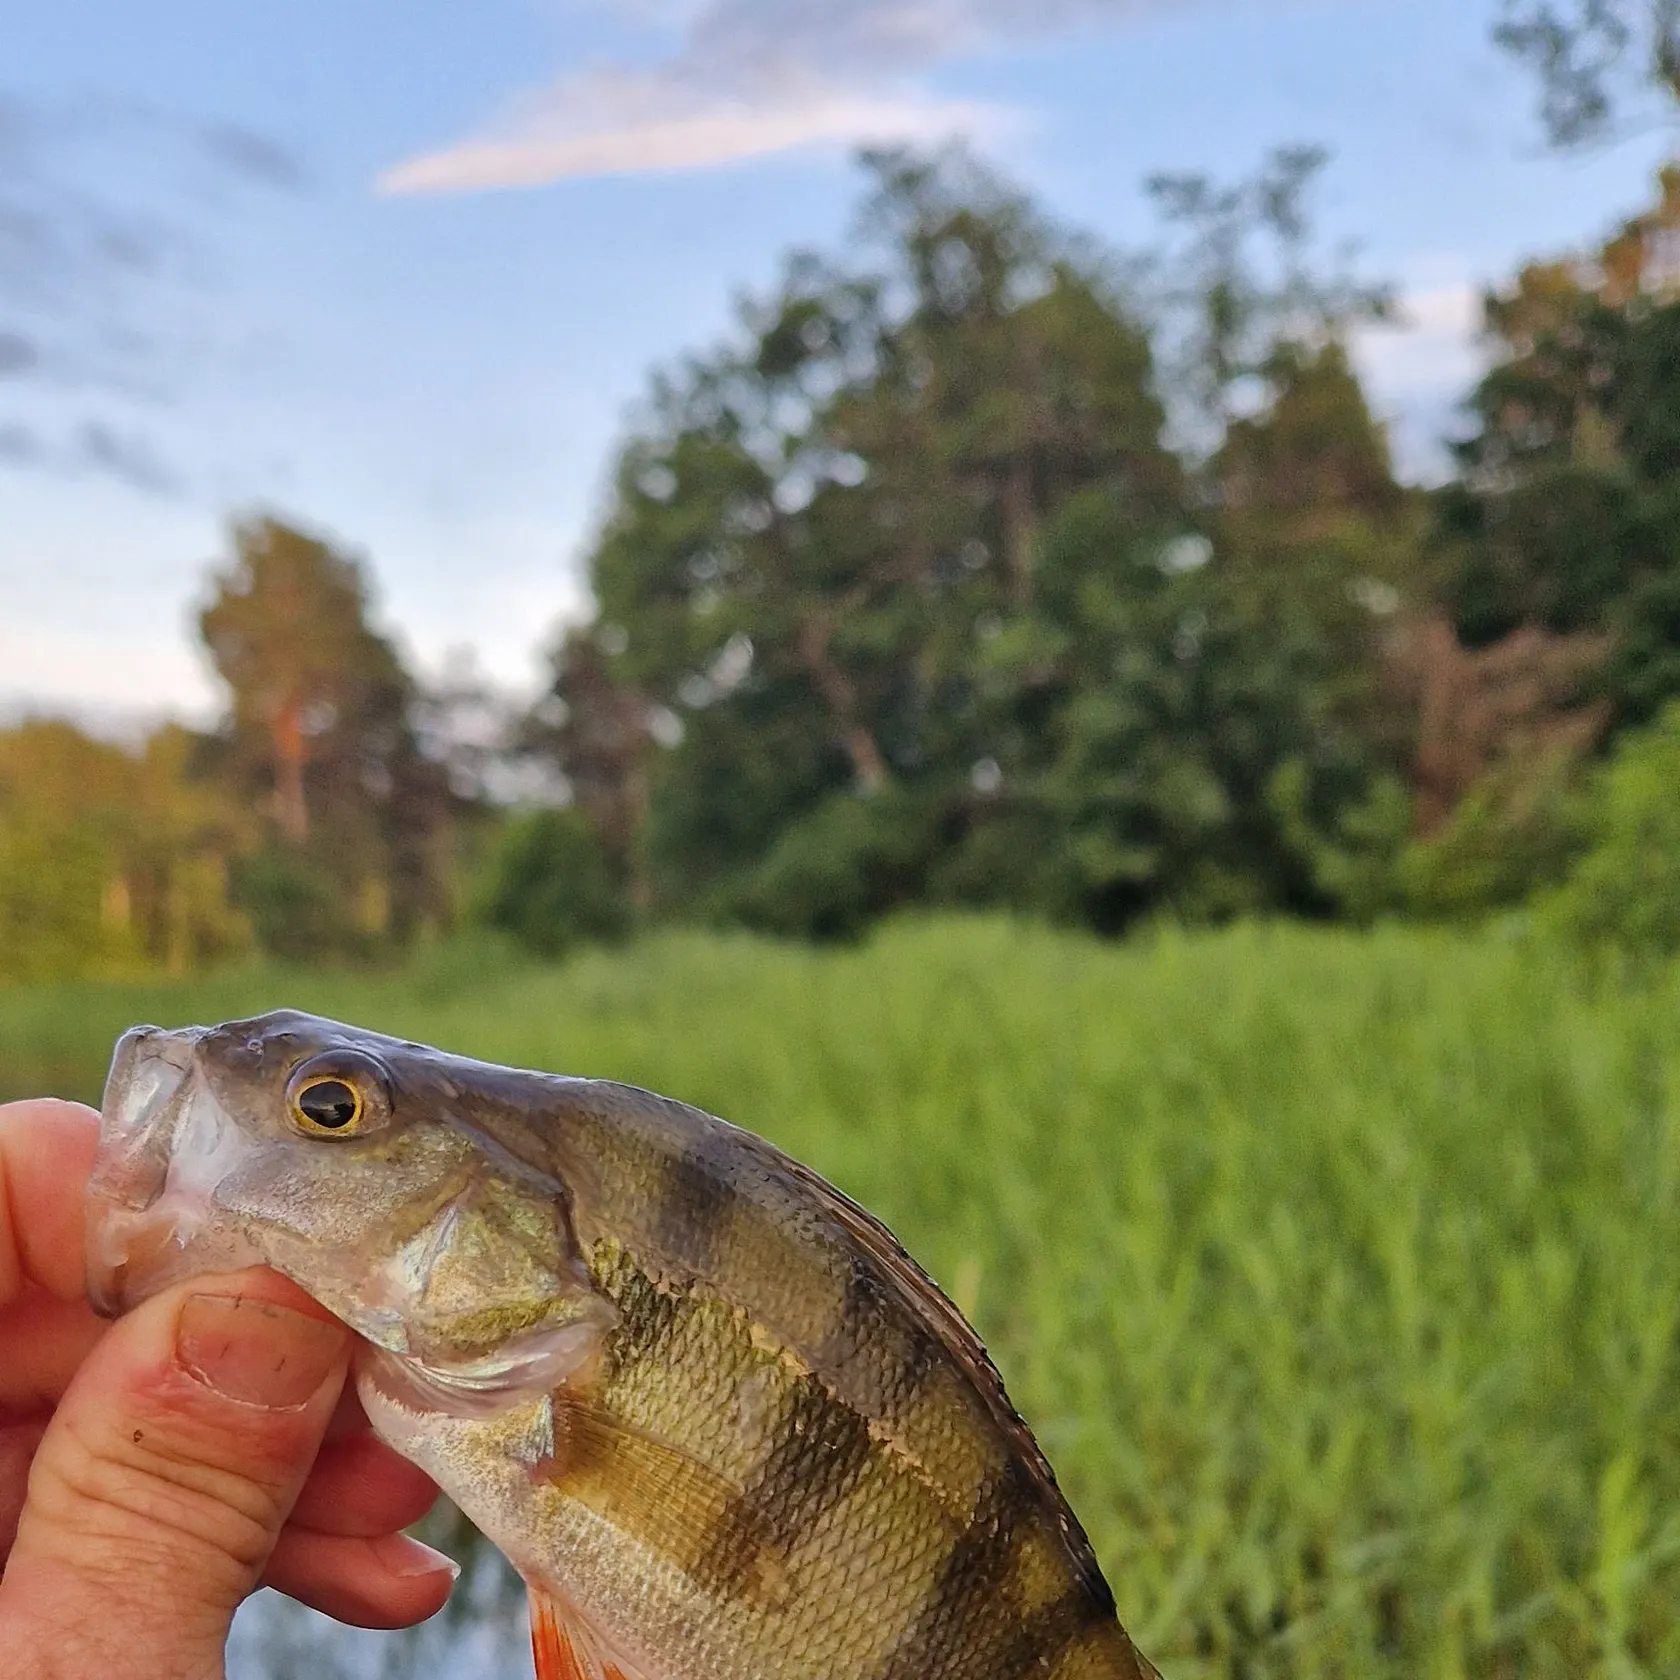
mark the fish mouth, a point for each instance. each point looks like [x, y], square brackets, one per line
[151, 1219]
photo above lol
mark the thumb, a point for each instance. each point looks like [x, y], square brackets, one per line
[161, 1485]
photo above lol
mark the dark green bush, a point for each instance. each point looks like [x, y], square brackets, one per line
[551, 885]
[298, 911]
[833, 872]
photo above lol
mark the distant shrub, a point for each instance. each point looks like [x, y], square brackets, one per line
[833, 872]
[1354, 860]
[1514, 834]
[551, 885]
[1625, 890]
[297, 911]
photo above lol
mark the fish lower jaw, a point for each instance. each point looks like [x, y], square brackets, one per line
[132, 1254]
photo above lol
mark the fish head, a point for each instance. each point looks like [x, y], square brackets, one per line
[407, 1191]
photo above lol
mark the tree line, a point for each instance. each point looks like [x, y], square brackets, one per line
[983, 571]
[977, 566]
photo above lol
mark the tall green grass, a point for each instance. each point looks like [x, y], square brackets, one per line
[1339, 1275]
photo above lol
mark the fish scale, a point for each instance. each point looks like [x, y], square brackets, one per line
[718, 1419]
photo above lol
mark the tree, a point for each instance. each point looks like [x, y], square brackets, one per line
[1242, 283]
[821, 522]
[1151, 716]
[552, 885]
[601, 733]
[1313, 535]
[1592, 56]
[320, 731]
[113, 859]
[1565, 516]
[903, 596]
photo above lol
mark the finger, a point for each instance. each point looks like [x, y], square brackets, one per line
[390, 1581]
[18, 1442]
[348, 1416]
[45, 1341]
[360, 1487]
[163, 1481]
[46, 1154]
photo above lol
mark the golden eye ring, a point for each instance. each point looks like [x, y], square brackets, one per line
[338, 1094]
[329, 1105]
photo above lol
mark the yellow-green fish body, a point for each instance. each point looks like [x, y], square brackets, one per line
[718, 1419]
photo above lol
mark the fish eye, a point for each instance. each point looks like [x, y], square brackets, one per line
[337, 1096]
[330, 1104]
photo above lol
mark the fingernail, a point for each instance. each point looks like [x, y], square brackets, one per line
[255, 1352]
[403, 1555]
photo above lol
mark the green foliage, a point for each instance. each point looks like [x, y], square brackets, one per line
[1625, 890]
[111, 859]
[903, 597]
[54, 912]
[1515, 834]
[830, 539]
[964, 573]
[845, 865]
[1175, 709]
[551, 885]
[1335, 1273]
[296, 908]
[1356, 864]
[1644, 670]
[1566, 514]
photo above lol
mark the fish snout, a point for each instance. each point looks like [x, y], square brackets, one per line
[150, 1071]
[128, 1233]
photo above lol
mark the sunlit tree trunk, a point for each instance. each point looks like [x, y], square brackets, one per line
[290, 809]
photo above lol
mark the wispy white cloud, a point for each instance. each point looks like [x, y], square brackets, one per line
[749, 78]
[699, 137]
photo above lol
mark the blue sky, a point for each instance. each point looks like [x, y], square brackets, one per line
[400, 271]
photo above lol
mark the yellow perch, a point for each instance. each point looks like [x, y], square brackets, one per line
[721, 1423]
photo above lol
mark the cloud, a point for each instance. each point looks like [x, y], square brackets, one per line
[696, 138]
[750, 78]
[102, 265]
[253, 157]
[17, 354]
[93, 446]
[128, 456]
[1420, 369]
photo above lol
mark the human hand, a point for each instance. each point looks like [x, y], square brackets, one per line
[155, 1471]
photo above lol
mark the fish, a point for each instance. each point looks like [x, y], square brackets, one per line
[712, 1412]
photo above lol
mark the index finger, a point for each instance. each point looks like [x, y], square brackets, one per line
[46, 1155]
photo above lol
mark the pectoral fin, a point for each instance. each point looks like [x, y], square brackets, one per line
[667, 1500]
[563, 1648]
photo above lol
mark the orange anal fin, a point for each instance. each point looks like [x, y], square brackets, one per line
[551, 1647]
[561, 1648]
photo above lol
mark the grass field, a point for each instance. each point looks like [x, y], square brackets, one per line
[1339, 1275]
